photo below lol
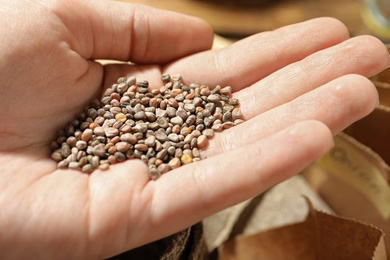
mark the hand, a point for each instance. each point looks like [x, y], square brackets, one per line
[297, 85]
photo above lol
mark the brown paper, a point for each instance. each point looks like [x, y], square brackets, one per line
[320, 236]
[354, 176]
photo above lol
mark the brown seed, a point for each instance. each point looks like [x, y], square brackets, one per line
[119, 157]
[86, 135]
[177, 120]
[190, 107]
[131, 80]
[99, 150]
[166, 77]
[217, 127]
[162, 122]
[111, 132]
[81, 145]
[171, 150]
[150, 141]
[185, 131]
[56, 156]
[71, 141]
[99, 120]
[74, 165]
[205, 91]
[214, 98]
[65, 150]
[83, 161]
[122, 146]
[115, 96]
[104, 166]
[175, 163]
[95, 161]
[208, 132]
[190, 95]
[151, 117]
[92, 126]
[129, 138]
[176, 129]
[182, 113]
[154, 174]
[195, 152]
[226, 90]
[227, 125]
[125, 128]
[234, 101]
[173, 137]
[62, 164]
[196, 133]
[178, 153]
[164, 168]
[176, 92]
[202, 141]
[161, 154]
[99, 131]
[141, 147]
[115, 139]
[236, 114]
[227, 117]
[161, 136]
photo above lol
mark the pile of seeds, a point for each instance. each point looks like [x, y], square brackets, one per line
[163, 127]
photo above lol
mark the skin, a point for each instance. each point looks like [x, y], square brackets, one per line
[298, 86]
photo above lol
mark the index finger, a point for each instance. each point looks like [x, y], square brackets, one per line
[132, 32]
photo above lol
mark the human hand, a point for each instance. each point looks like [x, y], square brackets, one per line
[297, 85]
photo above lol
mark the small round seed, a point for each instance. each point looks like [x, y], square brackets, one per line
[202, 141]
[129, 138]
[99, 150]
[186, 159]
[86, 135]
[177, 120]
[150, 141]
[99, 131]
[74, 165]
[226, 90]
[122, 146]
[208, 133]
[119, 157]
[173, 137]
[81, 145]
[104, 166]
[214, 98]
[175, 163]
[56, 156]
[141, 147]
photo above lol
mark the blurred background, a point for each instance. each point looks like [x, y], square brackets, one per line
[235, 19]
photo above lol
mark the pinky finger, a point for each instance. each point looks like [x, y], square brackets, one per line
[218, 182]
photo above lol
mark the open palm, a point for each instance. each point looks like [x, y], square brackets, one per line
[297, 85]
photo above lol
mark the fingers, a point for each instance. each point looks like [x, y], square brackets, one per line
[195, 191]
[247, 61]
[130, 32]
[364, 55]
[117, 208]
[337, 104]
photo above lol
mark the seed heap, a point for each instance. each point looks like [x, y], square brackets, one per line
[163, 127]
